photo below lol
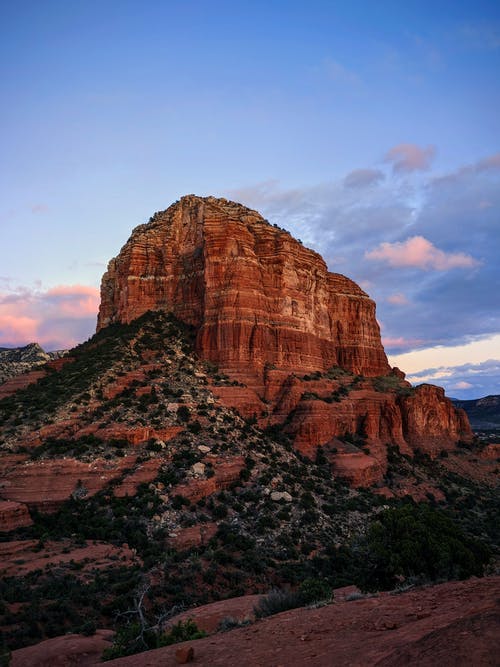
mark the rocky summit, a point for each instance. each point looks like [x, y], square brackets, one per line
[255, 295]
[232, 430]
[17, 360]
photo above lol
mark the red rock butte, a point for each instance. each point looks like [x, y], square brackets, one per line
[255, 295]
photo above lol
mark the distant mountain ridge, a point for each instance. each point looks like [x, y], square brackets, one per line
[483, 413]
[17, 360]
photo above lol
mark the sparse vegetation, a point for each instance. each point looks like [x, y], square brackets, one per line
[327, 535]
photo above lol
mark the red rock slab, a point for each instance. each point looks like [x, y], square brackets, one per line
[483, 470]
[123, 382]
[13, 515]
[243, 399]
[99, 555]
[20, 382]
[360, 633]
[359, 469]
[209, 616]
[431, 421]
[146, 472]
[419, 491]
[45, 484]
[467, 641]
[8, 462]
[226, 471]
[57, 364]
[65, 651]
[491, 451]
[134, 435]
[193, 536]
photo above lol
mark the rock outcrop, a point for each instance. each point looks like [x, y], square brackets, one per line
[17, 360]
[266, 311]
[256, 296]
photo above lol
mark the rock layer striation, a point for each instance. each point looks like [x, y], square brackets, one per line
[256, 296]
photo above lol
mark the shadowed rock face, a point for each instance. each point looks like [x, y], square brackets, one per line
[256, 296]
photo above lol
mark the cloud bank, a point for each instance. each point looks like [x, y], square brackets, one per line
[57, 318]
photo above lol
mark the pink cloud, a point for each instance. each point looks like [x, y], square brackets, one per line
[56, 318]
[74, 300]
[488, 163]
[401, 343]
[410, 157]
[16, 327]
[398, 299]
[417, 251]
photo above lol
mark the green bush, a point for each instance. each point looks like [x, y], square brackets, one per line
[277, 601]
[315, 590]
[183, 631]
[419, 542]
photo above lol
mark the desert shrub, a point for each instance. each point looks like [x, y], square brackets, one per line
[315, 590]
[183, 413]
[128, 640]
[277, 601]
[183, 631]
[310, 590]
[385, 383]
[416, 541]
[179, 501]
[229, 623]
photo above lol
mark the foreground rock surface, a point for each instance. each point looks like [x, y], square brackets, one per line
[66, 651]
[451, 624]
[456, 623]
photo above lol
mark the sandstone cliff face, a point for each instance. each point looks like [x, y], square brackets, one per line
[430, 422]
[256, 296]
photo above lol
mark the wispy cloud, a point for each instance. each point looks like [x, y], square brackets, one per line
[362, 178]
[462, 385]
[398, 299]
[487, 165]
[339, 73]
[463, 380]
[420, 253]
[406, 158]
[480, 35]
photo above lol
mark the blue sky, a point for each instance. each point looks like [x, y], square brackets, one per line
[369, 130]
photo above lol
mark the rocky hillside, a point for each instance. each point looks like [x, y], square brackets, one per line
[483, 413]
[171, 472]
[17, 360]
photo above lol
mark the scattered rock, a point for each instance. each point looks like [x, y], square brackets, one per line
[184, 654]
[281, 495]
[198, 469]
